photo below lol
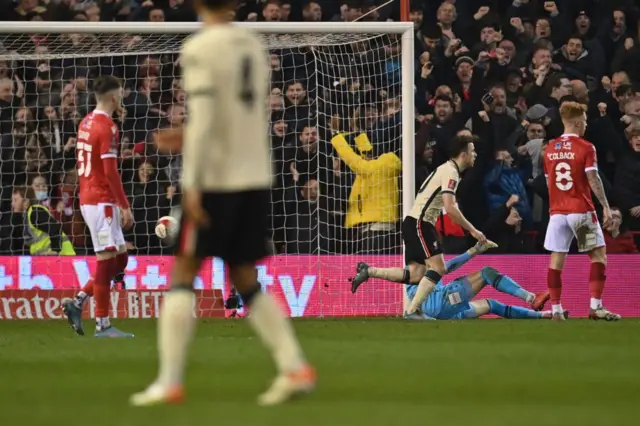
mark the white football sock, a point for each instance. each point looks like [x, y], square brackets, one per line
[276, 332]
[557, 309]
[102, 323]
[424, 288]
[596, 303]
[529, 297]
[175, 331]
[80, 299]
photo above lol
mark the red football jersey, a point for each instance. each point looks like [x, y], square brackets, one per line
[97, 140]
[566, 161]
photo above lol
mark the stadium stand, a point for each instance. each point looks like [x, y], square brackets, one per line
[499, 68]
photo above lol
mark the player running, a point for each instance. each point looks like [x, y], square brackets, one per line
[571, 168]
[454, 300]
[423, 249]
[103, 204]
[227, 175]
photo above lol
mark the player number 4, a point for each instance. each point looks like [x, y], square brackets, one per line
[564, 182]
[84, 159]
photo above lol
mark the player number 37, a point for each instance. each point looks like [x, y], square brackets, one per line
[564, 182]
[84, 159]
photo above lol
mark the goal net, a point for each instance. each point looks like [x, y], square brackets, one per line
[339, 117]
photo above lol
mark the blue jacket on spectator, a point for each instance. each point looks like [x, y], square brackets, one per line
[501, 182]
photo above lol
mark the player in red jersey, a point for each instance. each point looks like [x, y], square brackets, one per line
[571, 169]
[103, 204]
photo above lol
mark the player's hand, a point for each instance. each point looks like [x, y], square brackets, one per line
[478, 235]
[127, 218]
[607, 218]
[606, 83]
[192, 208]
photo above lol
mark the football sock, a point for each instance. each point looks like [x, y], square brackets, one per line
[554, 283]
[102, 289]
[424, 288]
[176, 326]
[458, 261]
[514, 312]
[84, 294]
[396, 275]
[274, 329]
[505, 284]
[596, 284]
[121, 261]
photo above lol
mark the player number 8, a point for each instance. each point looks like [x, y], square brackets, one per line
[84, 159]
[564, 182]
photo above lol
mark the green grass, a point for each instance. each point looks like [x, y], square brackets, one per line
[371, 373]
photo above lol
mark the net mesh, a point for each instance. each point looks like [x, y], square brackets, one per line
[330, 202]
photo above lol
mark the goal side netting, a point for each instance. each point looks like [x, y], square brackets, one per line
[341, 131]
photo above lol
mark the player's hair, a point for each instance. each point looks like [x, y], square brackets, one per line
[105, 84]
[555, 81]
[572, 110]
[460, 144]
[219, 4]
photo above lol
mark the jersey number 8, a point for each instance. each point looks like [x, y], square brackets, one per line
[84, 159]
[564, 181]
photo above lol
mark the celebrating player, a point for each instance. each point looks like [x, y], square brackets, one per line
[103, 204]
[423, 251]
[571, 169]
[454, 300]
[227, 175]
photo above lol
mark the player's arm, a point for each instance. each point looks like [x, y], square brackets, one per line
[109, 158]
[201, 94]
[591, 170]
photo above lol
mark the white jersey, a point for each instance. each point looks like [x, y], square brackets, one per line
[226, 77]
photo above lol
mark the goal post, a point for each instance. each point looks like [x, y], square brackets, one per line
[343, 69]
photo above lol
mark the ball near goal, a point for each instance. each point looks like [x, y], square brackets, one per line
[321, 75]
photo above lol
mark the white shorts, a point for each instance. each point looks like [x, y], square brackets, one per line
[563, 228]
[105, 226]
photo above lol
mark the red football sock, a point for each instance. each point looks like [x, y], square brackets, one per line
[554, 283]
[597, 279]
[102, 286]
[88, 288]
[121, 261]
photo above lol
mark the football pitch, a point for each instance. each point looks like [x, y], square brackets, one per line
[371, 372]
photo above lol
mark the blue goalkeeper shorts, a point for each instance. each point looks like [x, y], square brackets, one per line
[451, 301]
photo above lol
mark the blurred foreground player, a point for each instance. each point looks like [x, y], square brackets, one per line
[227, 175]
[454, 301]
[571, 168]
[103, 204]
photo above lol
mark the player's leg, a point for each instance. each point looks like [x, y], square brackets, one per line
[490, 306]
[591, 239]
[506, 284]
[176, 327]
[295, 376]
[247, 247]
[558, 241]
[414, 259]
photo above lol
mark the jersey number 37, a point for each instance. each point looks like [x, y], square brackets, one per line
[84, 159]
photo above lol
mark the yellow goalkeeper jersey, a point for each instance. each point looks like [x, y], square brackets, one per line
[375, 193]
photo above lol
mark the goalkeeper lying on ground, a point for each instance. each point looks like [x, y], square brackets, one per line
[454, 300]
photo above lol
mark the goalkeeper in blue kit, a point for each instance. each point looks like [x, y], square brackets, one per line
[455, 300]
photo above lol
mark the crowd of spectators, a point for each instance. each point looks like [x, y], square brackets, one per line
[497, 68]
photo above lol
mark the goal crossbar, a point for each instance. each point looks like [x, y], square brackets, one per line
[34, 27]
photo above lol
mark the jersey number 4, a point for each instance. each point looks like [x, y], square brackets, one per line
[564, 181]
[84, 159]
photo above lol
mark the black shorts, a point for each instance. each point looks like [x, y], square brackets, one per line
[421, 240]
[238, 228]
